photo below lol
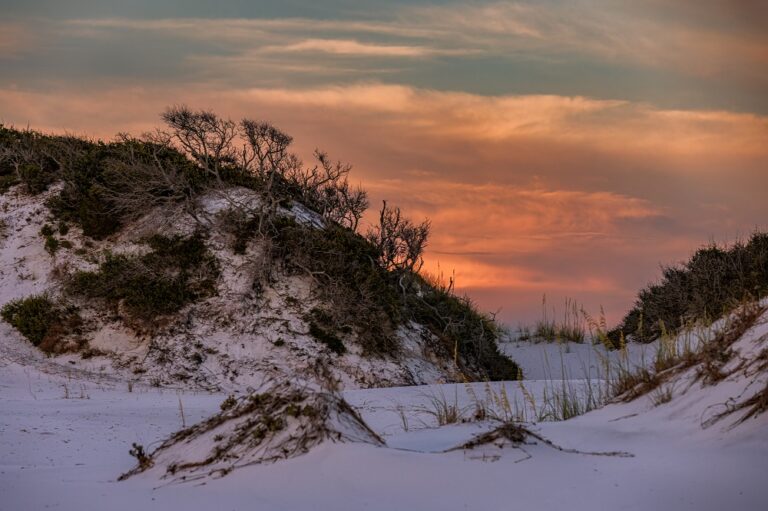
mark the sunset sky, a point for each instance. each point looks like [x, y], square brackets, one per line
[559, 147]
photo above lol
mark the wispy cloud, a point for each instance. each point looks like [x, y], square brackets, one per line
[608, 31]
[351, 47]
[592, 46]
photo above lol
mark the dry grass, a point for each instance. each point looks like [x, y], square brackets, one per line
[443, 410]
[571, 327]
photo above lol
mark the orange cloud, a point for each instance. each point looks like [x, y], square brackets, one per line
[481, 230]
[601, 124]
[527, 194]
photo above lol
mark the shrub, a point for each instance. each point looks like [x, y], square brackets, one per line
[712, 282]
[463, 331]
[333, 343]
[7, 181]
[107, 183]
[399, 242]
[34, 317]
[36, 177]
[358, 291]
[176, 272]
[51, 244]
[364, 297]
[82, 200]
[27, 157]
[46, 230]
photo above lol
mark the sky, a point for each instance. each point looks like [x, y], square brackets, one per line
[559, 148]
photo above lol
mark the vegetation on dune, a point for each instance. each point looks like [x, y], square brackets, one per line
[463, 331]
[714, 281]
[369, 283]
[43, 321]
[177, 271]
[107, 184]
[26, 157]
[356, 291]
[364, 296]
[33, 316]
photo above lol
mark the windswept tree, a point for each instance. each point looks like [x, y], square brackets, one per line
[325, 187]
[260, 150]
[266, 152]
[204, 136]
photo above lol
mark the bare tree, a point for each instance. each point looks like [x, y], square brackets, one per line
[400, 242]
[207, 138]
[325, 187]
[268, 146]
[261, 150]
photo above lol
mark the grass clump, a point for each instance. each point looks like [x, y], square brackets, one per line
[176, 271]
[713, 282]
[572, 327]
[709, 356]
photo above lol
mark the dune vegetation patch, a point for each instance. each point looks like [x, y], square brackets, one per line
[175, 272]
[304, 220]
[714, 281]
[280, 421]
[45, 322]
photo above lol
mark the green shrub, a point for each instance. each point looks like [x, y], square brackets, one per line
[51, 244]
[176, 272]
[46, 230]
[36, 177]
[82, 201]
[7, 181]
[358, 291]
[27, 160]
[710, 284]
[97, 173]
[464, 331]
[372, 302]
[33, 316]
[335, 344]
